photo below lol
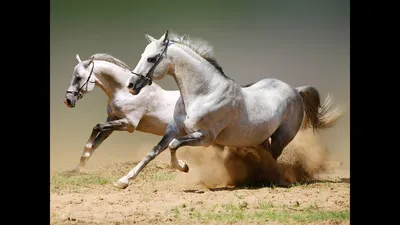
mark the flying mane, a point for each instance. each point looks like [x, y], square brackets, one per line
[109, 58]
[201, 47]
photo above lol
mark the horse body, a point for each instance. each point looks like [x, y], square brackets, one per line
[264, 107]
[214, 110]
[223, 113]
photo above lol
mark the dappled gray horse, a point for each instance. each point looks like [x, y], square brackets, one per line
[214, 110]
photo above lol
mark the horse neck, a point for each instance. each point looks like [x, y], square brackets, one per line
[193, 74]
[110, 77]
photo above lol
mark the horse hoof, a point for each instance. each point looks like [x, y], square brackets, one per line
[120, 185]
[185, 168]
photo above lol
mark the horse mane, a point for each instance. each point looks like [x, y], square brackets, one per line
[201, 47]
[109, 58]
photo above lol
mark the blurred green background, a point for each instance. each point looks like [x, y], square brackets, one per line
[301, 42]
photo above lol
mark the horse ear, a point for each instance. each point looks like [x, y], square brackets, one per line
[164, 37]
[78, 58]
[149, 38]
[87, 63]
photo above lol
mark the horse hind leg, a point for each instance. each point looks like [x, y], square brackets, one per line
[281, 138]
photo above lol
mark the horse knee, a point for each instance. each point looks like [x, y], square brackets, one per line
[97, 127]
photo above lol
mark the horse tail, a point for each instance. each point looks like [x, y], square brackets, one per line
[318, 116]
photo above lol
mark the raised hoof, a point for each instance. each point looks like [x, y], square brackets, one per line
[120, 185]
[185, 168]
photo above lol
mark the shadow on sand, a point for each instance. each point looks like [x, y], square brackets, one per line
[259, 185]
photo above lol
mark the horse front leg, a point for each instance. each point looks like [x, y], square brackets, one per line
[197, 138]
[87, 152]
[171, 133]
[100, 133]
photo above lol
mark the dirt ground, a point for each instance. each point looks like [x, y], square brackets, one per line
[226, 187]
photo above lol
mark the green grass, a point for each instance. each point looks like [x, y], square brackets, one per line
[161, 176]
[71, 181]
[63, 180]
[232, 213]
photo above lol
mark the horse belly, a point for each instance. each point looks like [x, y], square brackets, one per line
[152, 125]
[248, 135]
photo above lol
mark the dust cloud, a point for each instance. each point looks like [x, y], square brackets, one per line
[303, 159]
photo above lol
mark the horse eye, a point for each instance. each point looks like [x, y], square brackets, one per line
[152, 59]
[78, 78]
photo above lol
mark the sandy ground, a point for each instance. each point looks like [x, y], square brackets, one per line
[226, 187]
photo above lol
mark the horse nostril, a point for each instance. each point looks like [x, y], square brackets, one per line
[68, 101]
[130, 85]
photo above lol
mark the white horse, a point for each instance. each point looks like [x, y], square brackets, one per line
[214, 110]
[149, 112]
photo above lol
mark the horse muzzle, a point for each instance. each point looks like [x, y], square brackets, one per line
[136, 85]
[135, 89]
[69, 102]
[131, 88]
[132, 91]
